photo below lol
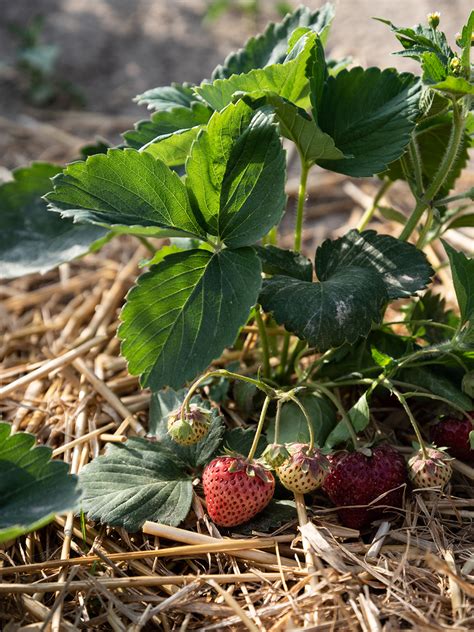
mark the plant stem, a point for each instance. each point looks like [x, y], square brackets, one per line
[146, 243]
[403, 402]
[258, 432]
[284, 354]
[415, 157]
[277, 421]
[369, 212]
[340, 408]
[268, 390]
[262, 332]
[300, 208]
[306, 416]
[440, 176]
[426, 228]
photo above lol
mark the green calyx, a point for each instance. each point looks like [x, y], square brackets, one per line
[187, 427]
[275, 455]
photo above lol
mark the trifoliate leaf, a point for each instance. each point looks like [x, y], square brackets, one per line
[33, 488]
[236, 175]
[124, 188]
[271, 47]
[133, 482]
[358, 274]
[293, 424]
[278, 261]
[31, 238]
[185, 311]
[370, 114]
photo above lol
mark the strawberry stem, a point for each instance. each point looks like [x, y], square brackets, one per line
[403, 402]
[277, 421]
[340, 408]
[258, 432]
[306, 416]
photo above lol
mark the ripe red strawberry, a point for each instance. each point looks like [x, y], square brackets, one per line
[192, 428]
[357, 479]
[304, 470]
[434, 471]
[236, 489]
[453, 434]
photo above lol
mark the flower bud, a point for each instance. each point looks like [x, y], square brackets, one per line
[433, 19]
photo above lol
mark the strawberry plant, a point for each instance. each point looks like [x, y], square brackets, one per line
[208, 171]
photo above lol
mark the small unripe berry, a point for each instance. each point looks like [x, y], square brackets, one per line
[455, 65]
[305, 469]
[434, 471]
[190, 428]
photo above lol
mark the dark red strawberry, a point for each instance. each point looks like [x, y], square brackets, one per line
[357, 479]
[453, 434]
[236, 489]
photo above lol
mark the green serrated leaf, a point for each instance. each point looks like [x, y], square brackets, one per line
[358, 274]
[124, 188]
[433, 68]
[173, 149]
[313, 144]
[293, 424]
[33, 488]
[271, 46]
[185, 311]
[370, 114]
[359, 416]
[463, 220]
[381, 359]
[462, 269]
[278, 261]
[167, 122]
[133, 482]
[458, 86]
[168, 97]
[421, 39]
[236, 175]
[161, 404]
[287, 79]
[31, 238]
[434, 381]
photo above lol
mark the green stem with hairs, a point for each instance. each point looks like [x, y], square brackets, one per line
[277, 421]
[146, 243]
[369, 212]
[415, 157]
[440, 176]
[340, 408]
[406, 408]
[300, 207]
[306, 416]
[262, 332]
[258, 432]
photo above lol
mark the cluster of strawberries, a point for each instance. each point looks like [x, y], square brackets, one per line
[361, 484]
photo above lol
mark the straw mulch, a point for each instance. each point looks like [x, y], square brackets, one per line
[63, 379]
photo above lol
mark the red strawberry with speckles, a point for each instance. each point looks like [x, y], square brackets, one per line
[236, 489]
[357, 479]
[453, 434]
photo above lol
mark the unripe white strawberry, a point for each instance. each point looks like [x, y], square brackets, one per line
[434, 471]
[190, 428]
[304, 470]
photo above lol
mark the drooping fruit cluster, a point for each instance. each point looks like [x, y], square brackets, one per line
[356, 479]
[434, 471]
[191, 427]
[236, 489]
[304, 470]
[453, 434]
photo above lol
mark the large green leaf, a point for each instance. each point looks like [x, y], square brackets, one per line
[271, 46]
[167, 97]
[133, 482]
[278, 261]
[167, 122]
[185, 311]
[236, 175]
[124, 188]
[432, 139]
[313, 144]
[358, 274]
[161, 404]
[293, 424]
[462, 269]
[370, 114]
[287, 79]
[173, 149]
[32, 487]
[31, 238]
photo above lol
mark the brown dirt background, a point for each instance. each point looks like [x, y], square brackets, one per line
[113, 49]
